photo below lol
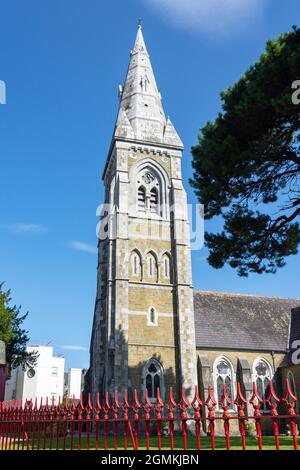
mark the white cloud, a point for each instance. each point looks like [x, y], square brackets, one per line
[23, 229]
[218, 17]
[85, 247]
[73, 347]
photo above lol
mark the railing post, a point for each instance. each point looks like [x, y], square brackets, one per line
[72, 422]
[171, 404]
[65, 414]
[136, 409]
[158, 406]
[125, 408]
[147, 407]
[115, 408]
[256, 401]
[39, 415]
[241, 403]
[211, 403]
[79, 412]
[34, 422]
[57, 421]
[183, 405]
[290, 399]
[225, 405]
[88, 411]
[273, 402]
[52, 412]
[106, 408]
[97, 410]
[197, 404]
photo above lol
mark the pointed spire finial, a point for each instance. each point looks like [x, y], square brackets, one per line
[140, 23]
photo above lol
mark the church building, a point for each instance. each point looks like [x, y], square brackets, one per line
[150, 328]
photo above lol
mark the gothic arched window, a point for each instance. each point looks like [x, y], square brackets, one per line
[142, 198]
[149, 191]
[262, 376]
[153, 379]
[152, 315]
[151, 265]
[136, 265]
[167, 267]
[223, 375]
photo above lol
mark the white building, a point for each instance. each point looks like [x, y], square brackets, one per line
[74, 384]
[45, 380]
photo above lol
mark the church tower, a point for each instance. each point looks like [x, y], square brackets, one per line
[143, 331]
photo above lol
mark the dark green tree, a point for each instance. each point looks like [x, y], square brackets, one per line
[12, 333]
[247, 164]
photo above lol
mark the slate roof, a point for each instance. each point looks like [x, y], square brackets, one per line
[242, 322]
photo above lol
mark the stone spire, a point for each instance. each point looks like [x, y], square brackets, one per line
[141, 116]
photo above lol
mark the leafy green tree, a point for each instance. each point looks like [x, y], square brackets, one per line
[247, 164]
[13, 334]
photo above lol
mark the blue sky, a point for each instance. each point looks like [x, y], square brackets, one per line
[62, 61]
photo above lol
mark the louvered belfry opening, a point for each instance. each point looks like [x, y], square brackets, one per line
[142, 198]
[153, 200]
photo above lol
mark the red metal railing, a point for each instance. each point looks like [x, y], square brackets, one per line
[115, 425]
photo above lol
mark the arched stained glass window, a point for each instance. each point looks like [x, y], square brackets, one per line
[262, 375]
[153, 373]
[223, 375]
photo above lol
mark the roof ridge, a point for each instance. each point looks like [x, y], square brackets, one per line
[238, 294]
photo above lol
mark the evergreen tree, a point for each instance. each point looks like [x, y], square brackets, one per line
[12, 333]
[247, 164]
